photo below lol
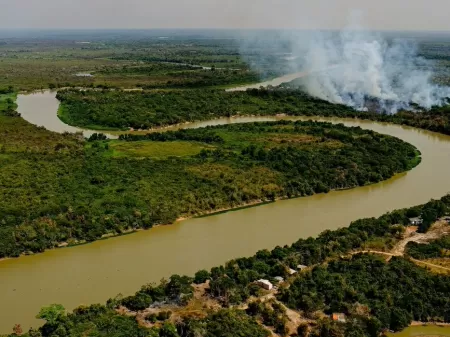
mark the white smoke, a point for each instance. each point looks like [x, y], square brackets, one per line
[357, 67]
[354, 66]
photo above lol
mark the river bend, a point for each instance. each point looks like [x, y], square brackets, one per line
[94, 272]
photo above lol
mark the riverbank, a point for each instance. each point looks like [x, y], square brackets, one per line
[63, 117]
[237, 178]
[400, 278]
[152, 109]
[301, 218]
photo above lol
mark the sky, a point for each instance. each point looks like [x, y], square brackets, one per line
[302, 14]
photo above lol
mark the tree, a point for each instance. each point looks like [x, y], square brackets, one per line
[177, 286]
[201, 276]
[52, 313]
[114, 302]
[400, 319]
[17, 330]
[140, 301]
[168, 330]
[373, 326]
[34, 333]
[429, 216]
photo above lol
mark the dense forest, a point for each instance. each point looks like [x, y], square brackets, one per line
[149, 109]
[393, 293]
[375, 295]
[66, 190]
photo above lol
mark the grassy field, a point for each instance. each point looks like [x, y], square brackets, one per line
[32, 74]
[145, 60]
[154, 150]
[29, 64]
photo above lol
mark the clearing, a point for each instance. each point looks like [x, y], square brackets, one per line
[156, 150]
[438, 230]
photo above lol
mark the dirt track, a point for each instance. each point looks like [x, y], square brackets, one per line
[438, 230]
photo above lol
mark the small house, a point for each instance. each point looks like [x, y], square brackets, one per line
[265, 284]
[338, 317]
[416, 221]
[301, 267]
[279, 279]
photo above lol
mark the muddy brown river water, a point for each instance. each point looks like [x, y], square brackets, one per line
[94, 272]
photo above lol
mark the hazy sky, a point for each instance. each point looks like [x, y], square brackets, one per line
[378, 14]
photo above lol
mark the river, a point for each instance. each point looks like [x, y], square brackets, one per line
[94, 272]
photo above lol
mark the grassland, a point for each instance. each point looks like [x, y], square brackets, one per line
[30, 64]
[129, 60]
[155, 150]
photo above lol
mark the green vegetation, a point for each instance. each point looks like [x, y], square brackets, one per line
[436, 249]
[161, 75]
[123, 62]
[8, 102]
[41, 73]
[52, 313]
[148, 109]
[66, 190]
[436, 119]
[270, 313]
[155, 150]
[59, 188]
[102, 321]
[392, 301]
[374, 295]
[130, 59]
[429, 214]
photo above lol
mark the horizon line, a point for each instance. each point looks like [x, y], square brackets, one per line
[215, 28]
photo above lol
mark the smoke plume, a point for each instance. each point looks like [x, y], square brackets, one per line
[357, 67]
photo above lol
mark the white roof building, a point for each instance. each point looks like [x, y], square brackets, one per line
[416, 221]
[265, 284]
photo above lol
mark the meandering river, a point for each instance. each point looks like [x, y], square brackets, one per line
[94, 272]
